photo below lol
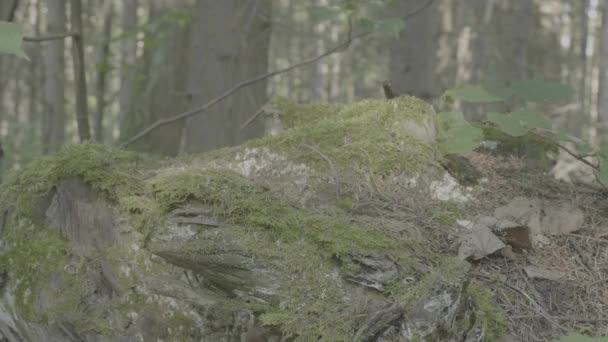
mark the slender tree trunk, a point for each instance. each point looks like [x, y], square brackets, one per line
[102, 71]
[80, 81]
[233, 50]
[603, 71]
[54, 120]
[319, 75]
[582, 54]
[128, 60]
[7, 9]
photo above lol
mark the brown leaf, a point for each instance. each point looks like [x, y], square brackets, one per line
[479, 242]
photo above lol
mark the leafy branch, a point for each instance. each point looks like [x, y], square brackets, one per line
[460, 136]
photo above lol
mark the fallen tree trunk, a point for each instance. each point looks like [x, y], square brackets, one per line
[283, 239]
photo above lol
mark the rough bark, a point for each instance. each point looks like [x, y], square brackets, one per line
[102, 71]
[55, 117]
[603, 69]
[80, 80]
[128, 57]
[222, 53]
[414, 56]
[158, 85]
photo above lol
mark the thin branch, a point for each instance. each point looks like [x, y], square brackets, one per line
[419, 9]
[57, 36]
[338, 48]
[254, 116]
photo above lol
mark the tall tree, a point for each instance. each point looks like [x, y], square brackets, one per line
[229, 43]
[128, 56]
[155, 87]
[414, 56]
[80, 81]
[603, 69]
[54, 123]
[103, 63]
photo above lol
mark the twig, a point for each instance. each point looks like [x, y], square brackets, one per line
[538, 308]
[57, 36]
[254, 116]
[344, 45]
[578, 236]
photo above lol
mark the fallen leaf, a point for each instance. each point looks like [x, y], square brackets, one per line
[540, 217]
[479, 242]
[515, 235]
[542, 273]
[561, 218]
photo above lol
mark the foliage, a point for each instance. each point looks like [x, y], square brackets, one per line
[11, 39]
[460, 137]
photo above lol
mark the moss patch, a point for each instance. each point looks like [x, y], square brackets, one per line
[108, 170]
[369, 134]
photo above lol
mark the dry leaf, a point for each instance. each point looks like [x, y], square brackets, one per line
[479, 242]
[542, 273]
[540, 217]
[561, 219]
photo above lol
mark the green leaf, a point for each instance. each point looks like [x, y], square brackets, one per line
[391, 26]
[538, 90]
[531, 119]
[518, 123]
[506, 124]
[477, 93]
[459, 136]
[11, 39]
[323, 13]
[462, 139]
[365, 24]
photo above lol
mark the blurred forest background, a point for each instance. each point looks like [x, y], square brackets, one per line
[147, 60]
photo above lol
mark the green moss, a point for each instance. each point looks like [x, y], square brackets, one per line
[106, 169]
[34, 257]
[489, 315]
[447, 212]
[242, 202]
[368, 134]
[37, 257]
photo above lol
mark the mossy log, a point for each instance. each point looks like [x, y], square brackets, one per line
[282, 239]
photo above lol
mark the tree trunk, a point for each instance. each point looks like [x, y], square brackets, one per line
[414, 55]
[603, 70]
[128, 59]
[80, 81]
[102, 70]
[54, 120]
[222, 54]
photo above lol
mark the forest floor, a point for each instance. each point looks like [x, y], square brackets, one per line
[557, 284]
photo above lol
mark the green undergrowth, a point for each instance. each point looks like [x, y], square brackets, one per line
[367, 134]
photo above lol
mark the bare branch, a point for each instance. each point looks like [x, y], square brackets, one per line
[338, 48]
